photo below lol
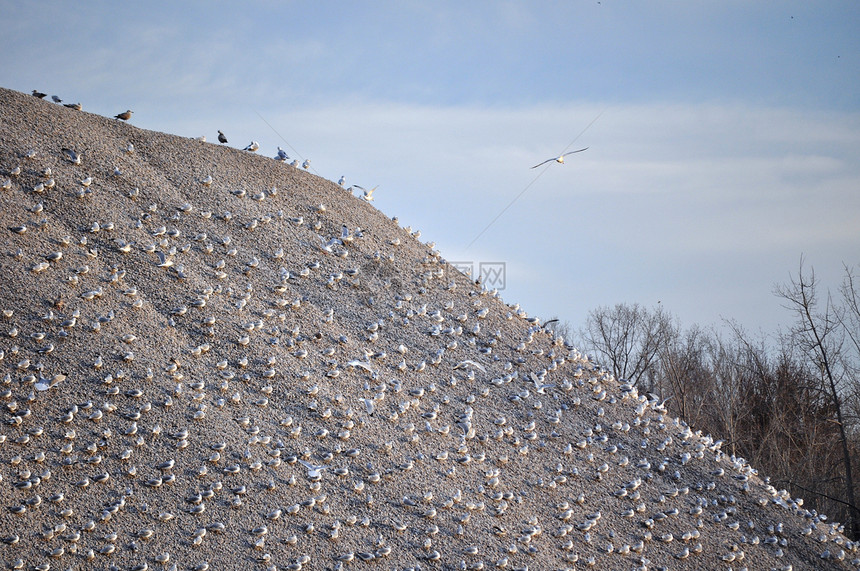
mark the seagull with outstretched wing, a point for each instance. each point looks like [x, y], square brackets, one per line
[560, 158]
[314, 471]
[366, 194]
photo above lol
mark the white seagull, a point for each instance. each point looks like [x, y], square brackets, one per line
[327, 245]
[560, 158]
[306, 164]
[369, 405]
[253, 146]
[342, 180]
[314, 471]
[368, 194]
[73, 157]
[282, 155]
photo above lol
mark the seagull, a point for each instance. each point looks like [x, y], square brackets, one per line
[163, 261]
[221, 137]
[253, 146]
[73, 157]
[326, 246]
[56, 99]
[306, 164]
[75, 106]
[39, 94]
[470, 363]
[560, 158]
[342, 180]
[124, 116]
[282, 155]
[369, 405]
[313, 470]
[368, 194]
[44, 384]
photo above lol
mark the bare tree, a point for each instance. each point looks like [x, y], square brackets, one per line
[819, 333]
[791, 408]
[627, 339]
[850, 320]
[683, 367]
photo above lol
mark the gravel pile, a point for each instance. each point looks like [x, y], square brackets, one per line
[213, 360]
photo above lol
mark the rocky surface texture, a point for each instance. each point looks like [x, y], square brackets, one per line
[211, 359]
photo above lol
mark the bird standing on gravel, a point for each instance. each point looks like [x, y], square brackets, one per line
[73, 157]
[252, 147]
[56, 99]
[221, 137]
[124, 116]
[39, 94]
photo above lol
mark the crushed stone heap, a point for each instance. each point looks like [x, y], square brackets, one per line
[210, 359]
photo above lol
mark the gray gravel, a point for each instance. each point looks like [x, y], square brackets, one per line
[179, 360]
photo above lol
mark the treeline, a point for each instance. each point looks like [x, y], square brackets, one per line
[789, 403]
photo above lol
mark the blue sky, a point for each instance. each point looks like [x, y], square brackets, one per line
[726, 142]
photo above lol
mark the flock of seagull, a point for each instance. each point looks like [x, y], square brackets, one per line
[282, 156]
[252, 147]
[273, 374]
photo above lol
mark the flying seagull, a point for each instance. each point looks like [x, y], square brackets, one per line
[124, 116]
[221, 137]
[327, 246]
[560, 158]
[368, 194]
[314, 471]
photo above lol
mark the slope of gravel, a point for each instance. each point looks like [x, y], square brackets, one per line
[264, 372]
